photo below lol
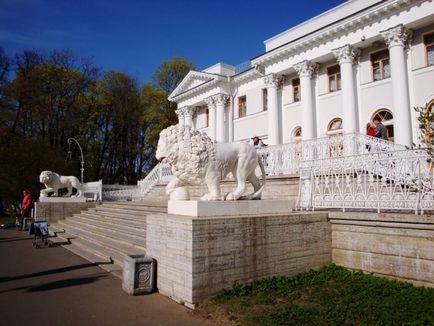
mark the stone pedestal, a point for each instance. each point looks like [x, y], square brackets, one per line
[138, 274]
[199, 208]
[199, 256]
[55, 209]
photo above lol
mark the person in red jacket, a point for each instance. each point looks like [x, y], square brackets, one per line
[26, 206]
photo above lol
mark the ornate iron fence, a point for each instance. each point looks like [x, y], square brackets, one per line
[381, 180]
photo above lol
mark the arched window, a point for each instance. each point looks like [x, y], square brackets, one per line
[296, 134]
[430, 125]
[386, 118]
[334, 127]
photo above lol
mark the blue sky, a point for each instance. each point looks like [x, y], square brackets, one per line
[135, 36]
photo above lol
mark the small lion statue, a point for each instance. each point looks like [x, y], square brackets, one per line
[53, 182]
[195, 158]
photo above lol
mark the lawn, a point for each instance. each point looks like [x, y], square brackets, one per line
[5, 220]
[331, 295]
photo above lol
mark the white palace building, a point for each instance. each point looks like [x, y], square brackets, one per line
[328, 75]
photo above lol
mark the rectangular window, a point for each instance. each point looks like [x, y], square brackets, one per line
[242, 106]
[264, 100]
[296, 89]
[334, 74]
[207, 116]
[429, 45]
[380, 65]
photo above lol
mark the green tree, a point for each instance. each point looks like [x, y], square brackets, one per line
[159, 111]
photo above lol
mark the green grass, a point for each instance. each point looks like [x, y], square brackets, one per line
[331, 295]
[4, 220]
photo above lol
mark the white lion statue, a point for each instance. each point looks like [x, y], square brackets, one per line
[53, 182]
[195, 158]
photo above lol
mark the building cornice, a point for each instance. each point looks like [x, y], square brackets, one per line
[334, 31]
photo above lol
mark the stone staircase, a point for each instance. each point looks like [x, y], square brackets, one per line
[107, 233]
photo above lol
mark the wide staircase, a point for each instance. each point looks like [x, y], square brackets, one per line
[107, 233]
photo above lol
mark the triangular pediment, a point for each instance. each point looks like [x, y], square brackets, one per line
[192, 80]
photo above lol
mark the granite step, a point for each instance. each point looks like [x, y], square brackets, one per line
[115, 219]
[119, 241]
[118, 226]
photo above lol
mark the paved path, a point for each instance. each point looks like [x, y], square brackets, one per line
[52, 286]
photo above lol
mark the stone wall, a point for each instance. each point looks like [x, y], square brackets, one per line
[53, 212]
[277, 187]
[198, 256]
[392, 245]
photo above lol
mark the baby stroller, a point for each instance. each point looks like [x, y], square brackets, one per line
[40, 228]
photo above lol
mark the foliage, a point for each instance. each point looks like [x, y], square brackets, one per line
[331, 295]
[47, 98]
[425, 118]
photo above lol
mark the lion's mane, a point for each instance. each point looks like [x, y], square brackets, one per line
[188, 151]
[50, 179]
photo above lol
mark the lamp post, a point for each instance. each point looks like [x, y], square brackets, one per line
[70, 140]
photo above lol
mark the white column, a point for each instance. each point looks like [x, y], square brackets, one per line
[347, 56]
[272, 82]
[396, 39]
[306, 71]
[188, 114]
[181, 118]
[220, 101]
[231, 119]
[211, 118]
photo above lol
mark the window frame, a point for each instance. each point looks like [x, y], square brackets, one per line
[296, 90]
[264, 99]
[427, 46]
[381, 64]
[244, 108]
[330, 131]
[336, 76]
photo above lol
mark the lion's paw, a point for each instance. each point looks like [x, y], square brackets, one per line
[230, 196]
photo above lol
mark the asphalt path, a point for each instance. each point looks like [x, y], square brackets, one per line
[52, 286]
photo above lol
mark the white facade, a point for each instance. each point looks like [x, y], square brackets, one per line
[349, 63]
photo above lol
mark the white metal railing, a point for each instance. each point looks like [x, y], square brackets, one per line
[286, 158]
[92, 191]
[396, 180]
[160, 174]
[120, 193]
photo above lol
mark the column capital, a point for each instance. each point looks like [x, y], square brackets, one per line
[347, 54]
[306, 68]
[397, 36]
[180, 112]
[273, 80]
[189, 110]
[220, 99]
[210, 102]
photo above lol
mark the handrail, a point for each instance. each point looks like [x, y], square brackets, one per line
[160, 174]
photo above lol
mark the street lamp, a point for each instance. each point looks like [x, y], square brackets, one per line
[70, 140]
